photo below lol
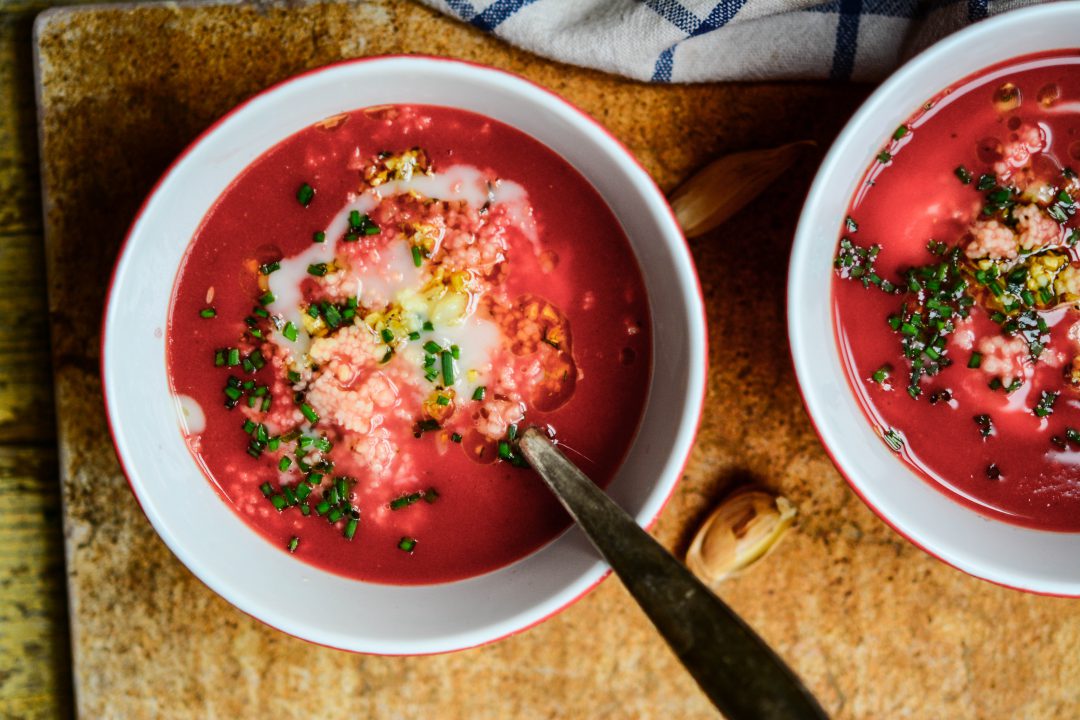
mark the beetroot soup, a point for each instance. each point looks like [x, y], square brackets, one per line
[372, 312]
[957, 291]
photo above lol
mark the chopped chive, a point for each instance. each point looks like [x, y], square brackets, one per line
[294, 542]
[405, 501]
[387, 356]
[335, 515]
[219, 358]
[273, 443]
[975, 360]
[289, 331]
[884, 157]
[267, 268]
[267, 298]
[962, 173]
[354, 219]
[232, 393]
[407, 544]
[319, 237]
[267, 489]
[322, 508]
[317, 269]
[431, 495]
[442, 400]
[850, 225]
[331, 315]
[350, 528]
[429, 361]
[881, 374]
[479, 393]
[233, 357]
[504, 450]
[309, 413]
[893, 439]
[1072, 436]
[305, 509]
[305, 194]
[417, 259]
[290, 496]
[447, 368]
[1045, 405]
[455, 437]
[900, 132]
[387, 335]
[208, 313]
[279, 502]
[414, 335]
[432, 347]
[284, 463]
[455, 351]
[428, 326]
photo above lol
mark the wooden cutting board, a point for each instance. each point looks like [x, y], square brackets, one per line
[877, 628]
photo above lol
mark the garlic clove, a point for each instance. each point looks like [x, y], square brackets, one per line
[744, 528]
[726, 185]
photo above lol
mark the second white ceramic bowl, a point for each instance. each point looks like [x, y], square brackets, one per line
[1044, 562]
[263, 580]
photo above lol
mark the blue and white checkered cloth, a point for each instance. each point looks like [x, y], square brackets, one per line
[703, 40]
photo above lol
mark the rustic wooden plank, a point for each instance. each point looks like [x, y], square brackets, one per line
[26, 401]
[34, 653]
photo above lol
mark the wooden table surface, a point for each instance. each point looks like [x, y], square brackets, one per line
[878, 629]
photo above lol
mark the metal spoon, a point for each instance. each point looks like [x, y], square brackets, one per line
[739, 673]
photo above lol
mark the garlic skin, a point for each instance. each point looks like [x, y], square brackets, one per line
[744, 528]
[726, 185]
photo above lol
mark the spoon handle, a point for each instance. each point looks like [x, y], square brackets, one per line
[739, 673]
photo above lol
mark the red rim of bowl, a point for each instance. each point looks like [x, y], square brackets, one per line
[375, 58]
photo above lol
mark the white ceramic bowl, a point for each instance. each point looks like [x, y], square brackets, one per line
[1044, 562]
[264, 581]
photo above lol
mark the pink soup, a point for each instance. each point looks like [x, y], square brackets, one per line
[958, 286]
[374, 310]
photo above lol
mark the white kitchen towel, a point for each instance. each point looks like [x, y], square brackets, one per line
[702, 40]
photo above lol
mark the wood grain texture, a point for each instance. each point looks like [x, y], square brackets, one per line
[876, 628]
[33, 644]
[34, 654]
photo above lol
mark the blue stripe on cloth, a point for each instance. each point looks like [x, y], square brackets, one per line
[664, 65]
[497, 13]
[674, 12]
[463, 8]
[722, 13]
[887, 8]
[847, 39]
[977, 10]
